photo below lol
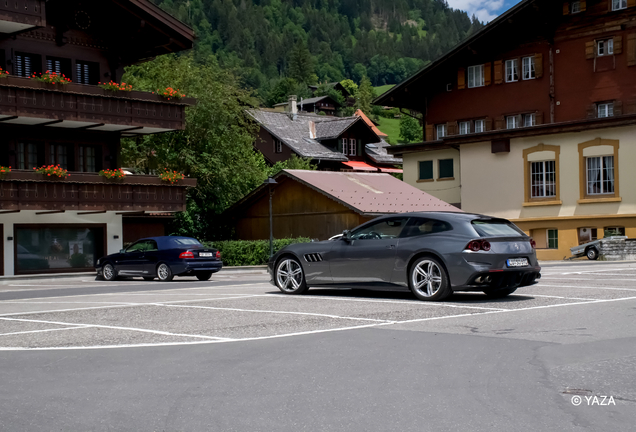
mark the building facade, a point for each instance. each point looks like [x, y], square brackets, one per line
[63, 224]
[533, 119]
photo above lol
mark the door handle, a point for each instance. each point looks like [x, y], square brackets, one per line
[390, 247]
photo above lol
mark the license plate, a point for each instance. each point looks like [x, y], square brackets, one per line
[205, 254]
[517, 262]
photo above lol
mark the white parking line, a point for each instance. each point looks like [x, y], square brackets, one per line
[559, 297]
[584, 287]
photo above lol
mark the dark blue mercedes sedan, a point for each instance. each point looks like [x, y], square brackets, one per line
[162, 258]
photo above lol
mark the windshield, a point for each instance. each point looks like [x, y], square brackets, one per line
[496, 228]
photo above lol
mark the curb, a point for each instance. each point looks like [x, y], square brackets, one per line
[581, 262]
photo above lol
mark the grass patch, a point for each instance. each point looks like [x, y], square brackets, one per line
[391, 127]
[383, 89]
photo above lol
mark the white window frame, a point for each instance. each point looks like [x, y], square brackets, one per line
[441, 130]
[511, 122]
[352, 147]
[619, 4]
[539, 172]
[476, 76]
[529, 71]
[480, 126]
[464, 128]
[575, 7]
[605, 47]
[512, 70]
[604, 110]
[278, 146]
[529, 120]
[345, 146]
[606, 167]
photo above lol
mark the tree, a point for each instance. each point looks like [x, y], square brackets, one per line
[410, 130]
[294, 162]
[365, 96]
[301, 64]
[350, 86]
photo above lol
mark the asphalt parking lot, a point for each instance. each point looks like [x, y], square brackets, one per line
[484, 364]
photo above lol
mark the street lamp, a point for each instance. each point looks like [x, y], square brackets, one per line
[269, 182]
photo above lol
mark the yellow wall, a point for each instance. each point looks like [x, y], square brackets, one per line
[446, 190]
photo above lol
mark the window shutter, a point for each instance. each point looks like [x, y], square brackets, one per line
[488, 124]
[487, 74]
[591, 111]
[618, 108]
[538, 65]
[618, 44]
[538, 118]
[339, 145]
[566, 8]
[461, 79]
[430, 132]
[631, 49]
[631, 3]
[590, 48]
[499, 123]
[498, 72]
[451, 128]
[583, 5]
[630, 107]
[360, 148]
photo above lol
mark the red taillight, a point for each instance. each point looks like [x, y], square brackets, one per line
[218, 255]
[186, 254]
[533, 243]
[477, 245]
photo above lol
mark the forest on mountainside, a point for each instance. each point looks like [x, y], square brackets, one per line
[279, 46]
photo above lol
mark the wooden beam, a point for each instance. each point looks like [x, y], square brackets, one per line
[50, 212]
[8, 118]
[50, 123]
[90, 126]
[91, 212]
[9, 211]
[131, 213]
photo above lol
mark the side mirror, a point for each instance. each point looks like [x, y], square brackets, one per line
[122, 250]
[346, 235]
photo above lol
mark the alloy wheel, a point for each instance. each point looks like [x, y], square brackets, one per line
[289, 275]
[426, 278]
[163, 272]
[109, 272]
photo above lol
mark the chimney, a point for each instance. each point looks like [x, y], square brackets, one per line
[312, 130]
[292, 110]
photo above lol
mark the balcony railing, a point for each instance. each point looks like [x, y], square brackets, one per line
[28, 190]
[85, 106]
[27, 12]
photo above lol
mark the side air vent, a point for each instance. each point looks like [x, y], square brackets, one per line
[315, 257]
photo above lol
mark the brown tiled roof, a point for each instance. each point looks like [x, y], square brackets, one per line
[368, 121]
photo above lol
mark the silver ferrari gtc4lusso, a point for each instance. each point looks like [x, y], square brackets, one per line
[432, 254]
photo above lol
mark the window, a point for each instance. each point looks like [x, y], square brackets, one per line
[441, 131]
[58, 155]
[86, 72]
[476, 76]
[543, 179]
[480, 126]
[27, 155]
[512, 71]
[87, 159]
[420, 226]
[587, 235]
[619, 4]
[600, 175]
[512, 122]
[143, 246]
[426, 170]
[528, 68]
[60, 66]
[27, 64]
[345, 147]
[575, 7]
[386, 229]
[553, 239]
[529, 120]
[464, 128]
[496, 228]
[352, 147]
[614, 231]
[605, 109]
[446, 168]
[605, 47]
[278, 146]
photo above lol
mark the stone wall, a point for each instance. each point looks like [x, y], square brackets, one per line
[618, 248]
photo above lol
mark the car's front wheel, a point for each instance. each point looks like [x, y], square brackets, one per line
[109, 272]
[428, 280]
[164, 273]
[203, 276]
[289, 276]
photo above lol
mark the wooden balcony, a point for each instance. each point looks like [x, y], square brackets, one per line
[21, 15]
[24, 101]
[89, 192]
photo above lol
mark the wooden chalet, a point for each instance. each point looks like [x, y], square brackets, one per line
[50, 224]
[538, 109]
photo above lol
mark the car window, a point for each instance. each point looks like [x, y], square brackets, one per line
[185, 242]
[422, 226]
[387, 228]
[151, 246]
[496, 228]
[136, 247]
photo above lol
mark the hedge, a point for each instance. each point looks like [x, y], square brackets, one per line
[250, 252]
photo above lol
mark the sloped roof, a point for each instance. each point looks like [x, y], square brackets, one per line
[369, 123]
[334, 128]
[378, 153]
[313, 100]
[369, 193]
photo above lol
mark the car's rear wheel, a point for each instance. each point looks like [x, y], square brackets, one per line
[289, 276]
[109, 272]
[500, 293]
[428, 280]
[164, 273]
[203, 276]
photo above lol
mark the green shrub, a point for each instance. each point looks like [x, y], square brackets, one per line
[250, 252]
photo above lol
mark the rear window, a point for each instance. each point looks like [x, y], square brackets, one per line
[496, 228]
[186, 242]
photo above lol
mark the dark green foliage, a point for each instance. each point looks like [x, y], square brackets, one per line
[365, 96]
[322, 40]
[410, 129]
[250, 252]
